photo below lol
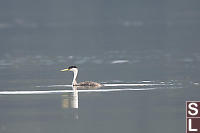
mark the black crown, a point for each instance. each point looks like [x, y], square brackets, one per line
[70, 67]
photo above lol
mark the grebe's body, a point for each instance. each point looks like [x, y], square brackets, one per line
[86, 83]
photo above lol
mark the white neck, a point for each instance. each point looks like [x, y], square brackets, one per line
[75, 75]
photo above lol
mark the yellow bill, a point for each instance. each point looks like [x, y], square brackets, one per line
[64, 70]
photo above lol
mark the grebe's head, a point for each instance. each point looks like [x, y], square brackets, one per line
[70, 68]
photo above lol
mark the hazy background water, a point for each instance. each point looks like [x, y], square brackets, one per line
[112, 41]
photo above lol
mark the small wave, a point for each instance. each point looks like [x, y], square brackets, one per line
[146, 81]
[119, 61]
[131, 84]
[107, 85]
[54, 86]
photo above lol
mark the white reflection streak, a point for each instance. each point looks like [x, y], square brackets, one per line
[68, 91]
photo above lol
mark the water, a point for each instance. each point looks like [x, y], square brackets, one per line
[66, 110]
[145, 53]
[135, 97]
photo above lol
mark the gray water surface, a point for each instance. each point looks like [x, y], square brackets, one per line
[134, 98]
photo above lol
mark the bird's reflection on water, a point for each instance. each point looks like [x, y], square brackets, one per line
[71, 101]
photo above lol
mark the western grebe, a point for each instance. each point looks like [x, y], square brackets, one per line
[86, 83]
